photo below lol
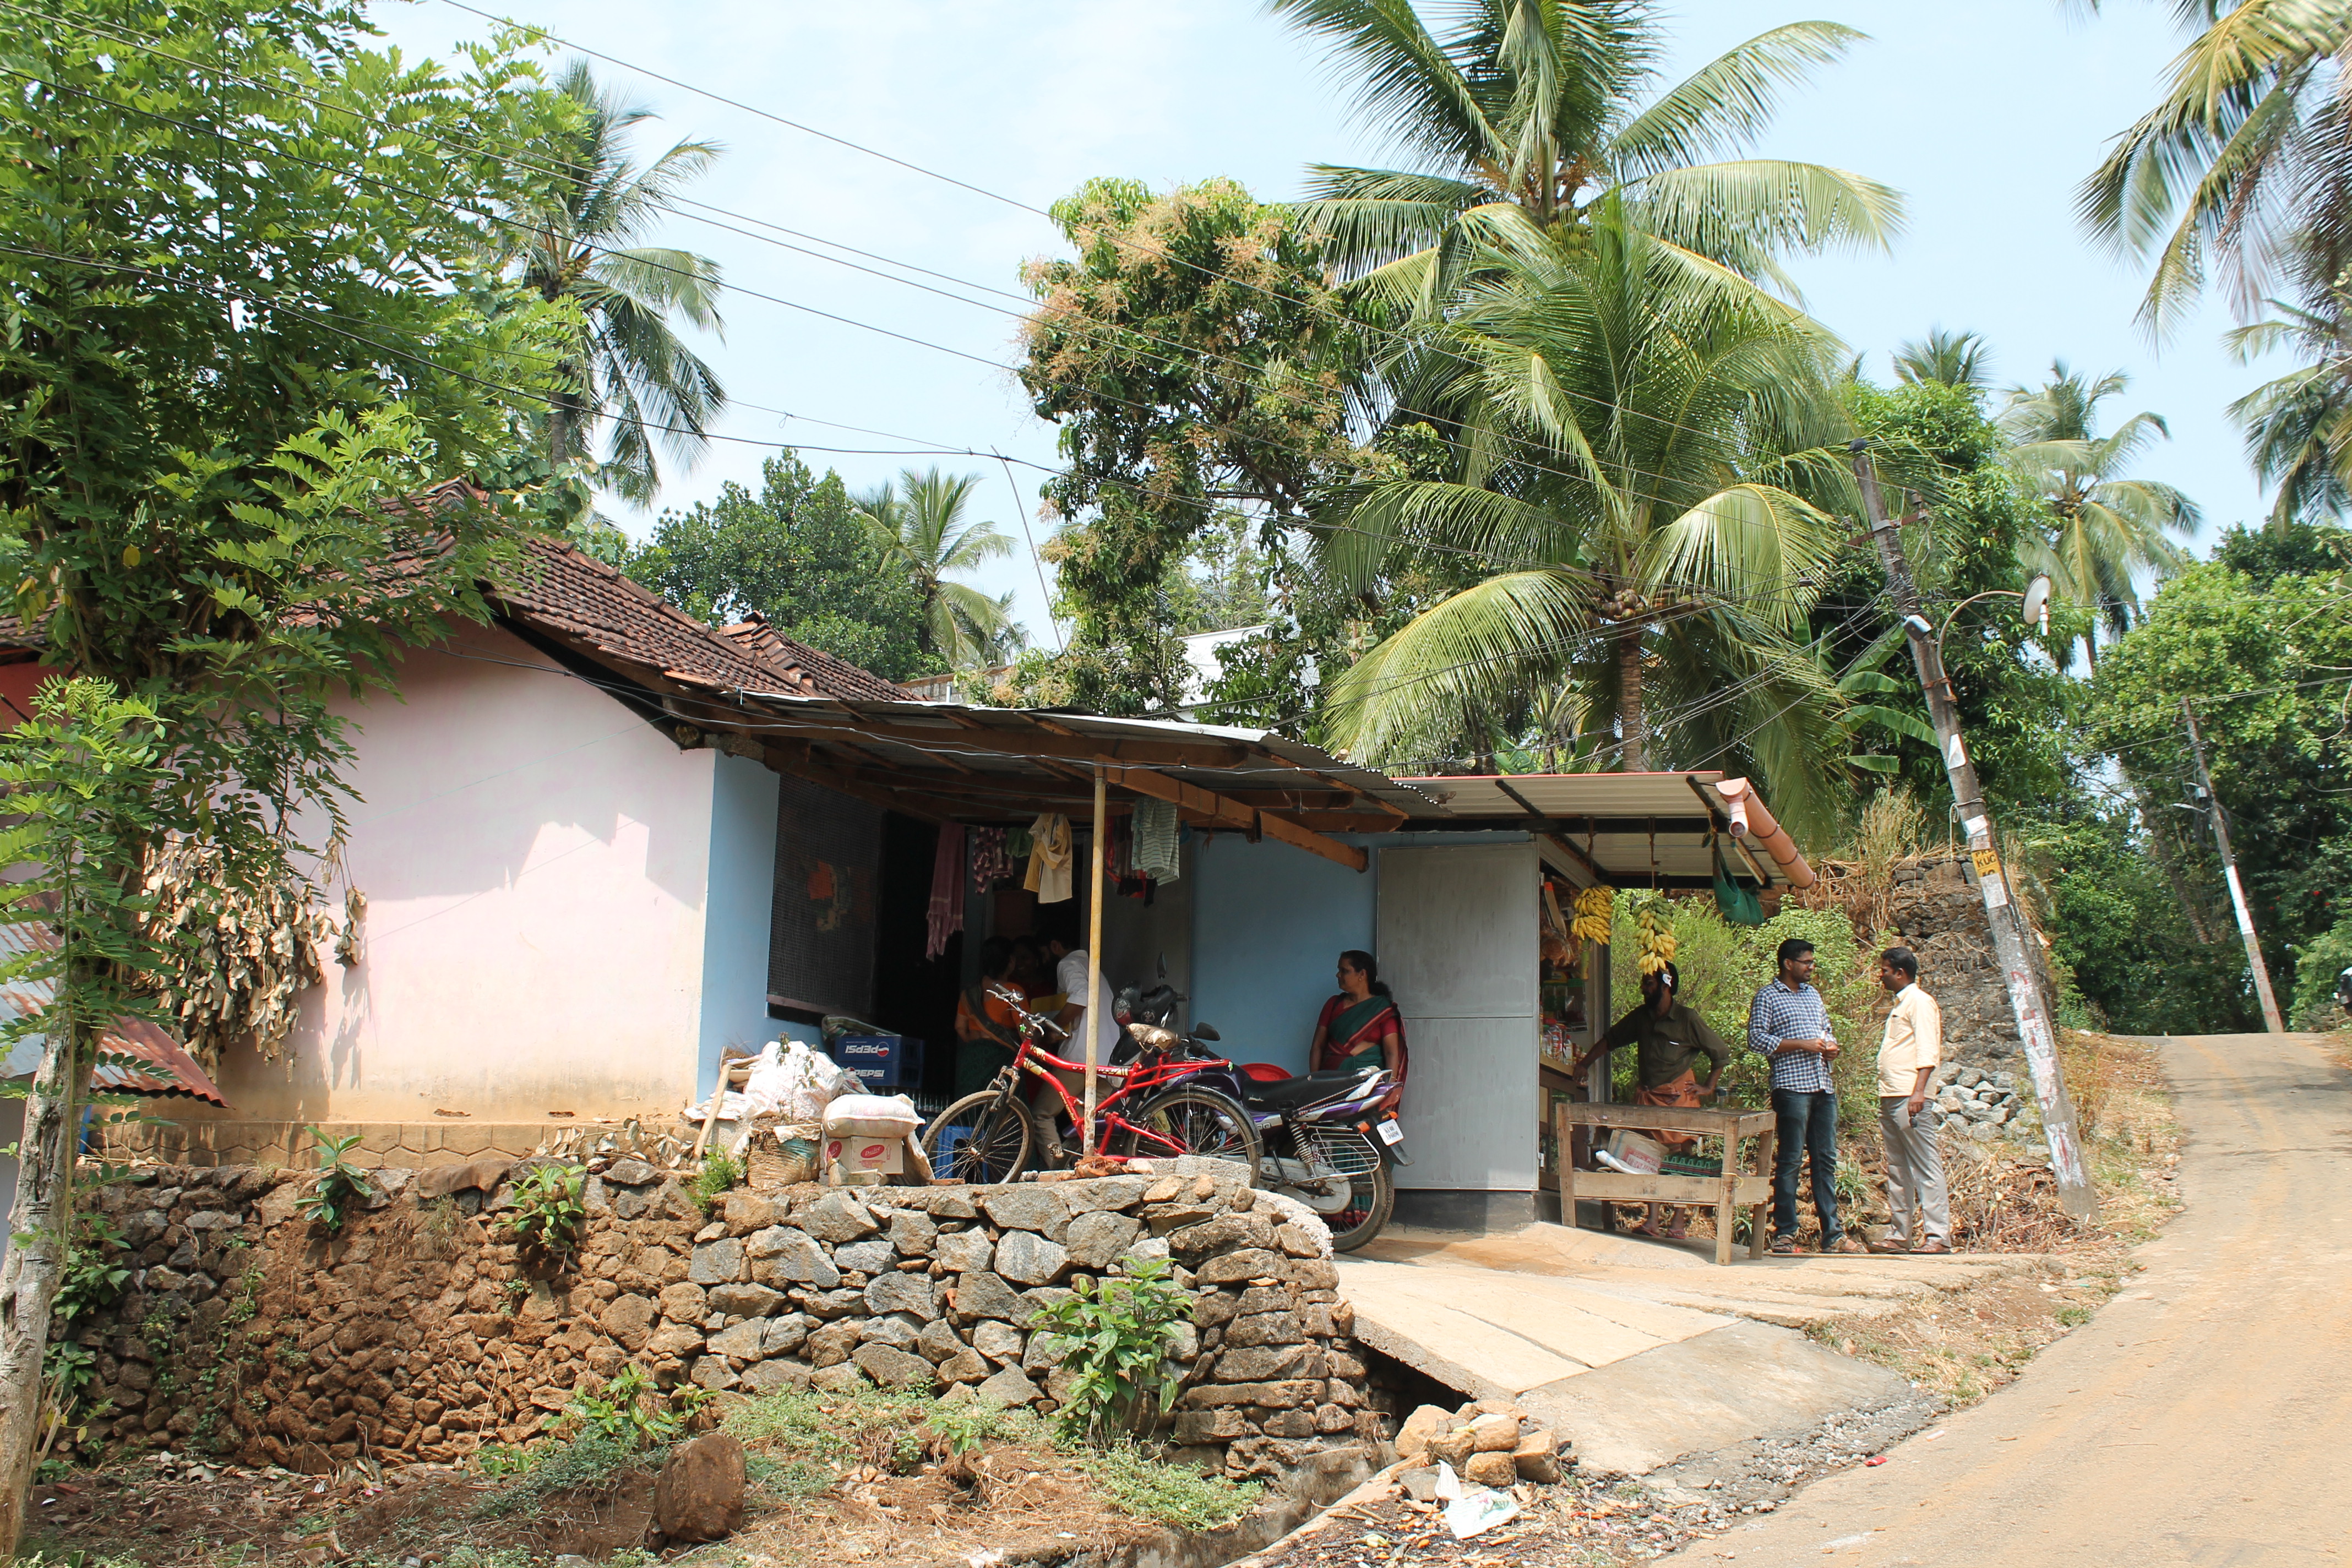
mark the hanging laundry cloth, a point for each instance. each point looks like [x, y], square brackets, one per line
[1019, 844]
[944, 918]
[1052, 859]
[992, 858]
[1156, 832]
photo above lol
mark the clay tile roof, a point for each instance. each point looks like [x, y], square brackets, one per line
[581, 601]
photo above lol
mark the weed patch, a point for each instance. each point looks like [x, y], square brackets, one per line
[1173, 1495]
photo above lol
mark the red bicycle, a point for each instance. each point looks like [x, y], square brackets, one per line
[1150, 1108]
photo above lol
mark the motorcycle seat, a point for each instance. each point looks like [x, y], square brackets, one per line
[1295, 1091]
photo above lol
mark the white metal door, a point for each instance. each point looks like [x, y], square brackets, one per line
[1458, 946]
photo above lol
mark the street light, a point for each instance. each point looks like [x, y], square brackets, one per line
[2035, 611]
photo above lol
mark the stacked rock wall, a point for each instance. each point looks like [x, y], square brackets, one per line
[421, 1333]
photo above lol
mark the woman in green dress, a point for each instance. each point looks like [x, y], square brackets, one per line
[1360, 1027]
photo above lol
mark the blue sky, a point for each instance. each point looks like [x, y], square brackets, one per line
[1987, 115]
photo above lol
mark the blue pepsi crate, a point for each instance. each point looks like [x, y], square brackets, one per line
[880, 1061]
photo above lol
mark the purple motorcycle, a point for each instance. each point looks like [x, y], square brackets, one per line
[1325, 1139]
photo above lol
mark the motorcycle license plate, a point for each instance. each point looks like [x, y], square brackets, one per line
[1391, 1133]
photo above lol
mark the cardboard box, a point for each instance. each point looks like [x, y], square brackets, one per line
[861, 1154]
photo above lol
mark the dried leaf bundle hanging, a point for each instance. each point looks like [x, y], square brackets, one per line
[238, 959]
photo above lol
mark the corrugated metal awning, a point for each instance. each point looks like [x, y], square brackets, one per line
[135, 1056]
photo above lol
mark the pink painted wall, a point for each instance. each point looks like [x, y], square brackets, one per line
[535, 858]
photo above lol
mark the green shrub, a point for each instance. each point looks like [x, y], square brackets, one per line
[341, 1187]
[1117, 1332]
[2316, 965]
[547, 1213]
[719, 1171]
[629, 1409]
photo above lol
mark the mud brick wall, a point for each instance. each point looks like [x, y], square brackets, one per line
[421, 1333]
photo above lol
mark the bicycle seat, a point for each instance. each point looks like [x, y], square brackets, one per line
[1295, 1091]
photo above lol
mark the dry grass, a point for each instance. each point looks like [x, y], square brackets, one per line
[1972, 1341]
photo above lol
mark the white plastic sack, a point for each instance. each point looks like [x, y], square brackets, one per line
[765, 1089]
[733, 1106]
[801, 1084]
[872, 1115]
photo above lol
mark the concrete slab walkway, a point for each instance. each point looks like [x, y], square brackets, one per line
[1642, 1352]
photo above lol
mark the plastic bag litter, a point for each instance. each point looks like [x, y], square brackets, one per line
[1476, 1512]
[1449, 1485]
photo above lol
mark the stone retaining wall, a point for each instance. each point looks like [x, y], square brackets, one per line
[421, 1333]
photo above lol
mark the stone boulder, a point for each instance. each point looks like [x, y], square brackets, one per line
[699, 1495]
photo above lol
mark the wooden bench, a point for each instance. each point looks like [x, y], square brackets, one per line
[1733, 1189]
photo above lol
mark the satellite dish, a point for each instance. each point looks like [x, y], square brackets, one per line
[2037, 601]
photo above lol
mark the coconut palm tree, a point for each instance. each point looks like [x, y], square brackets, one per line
[1955, 359]
[919, 523]
[2107, 526]
[1664, 545]
[2246, 164]
[1532, 105]
[2299, 426]
[577, 243]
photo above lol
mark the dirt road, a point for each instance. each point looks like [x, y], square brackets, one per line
[2200, 1417]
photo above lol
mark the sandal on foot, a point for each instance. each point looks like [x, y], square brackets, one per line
[1892, 1244]
[1678, 1232]
[1784, 1247]
[1845, 1244]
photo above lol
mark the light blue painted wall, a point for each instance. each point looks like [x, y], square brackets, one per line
[735, 914]
[1269, 924]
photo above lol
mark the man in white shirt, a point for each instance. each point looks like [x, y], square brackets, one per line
[1907, 1059]
[1070, 978]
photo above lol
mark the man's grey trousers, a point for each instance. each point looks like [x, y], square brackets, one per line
[1915, 1172]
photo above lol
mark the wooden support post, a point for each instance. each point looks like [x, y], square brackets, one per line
[1087, 1020]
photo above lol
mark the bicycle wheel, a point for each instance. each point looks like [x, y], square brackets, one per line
[1192, 1121]
[1369, 1202]
[983, 1137]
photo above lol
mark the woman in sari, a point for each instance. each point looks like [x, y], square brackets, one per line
[987, 1027]
[1360, 1027]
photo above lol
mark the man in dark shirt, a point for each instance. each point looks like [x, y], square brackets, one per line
[1668, 1038]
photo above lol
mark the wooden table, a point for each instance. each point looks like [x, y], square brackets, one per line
[1733, 1189]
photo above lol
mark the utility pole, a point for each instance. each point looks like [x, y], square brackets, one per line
[2010, 934]
[2271, 1019]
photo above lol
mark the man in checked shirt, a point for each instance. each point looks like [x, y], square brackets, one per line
[1789, 1024]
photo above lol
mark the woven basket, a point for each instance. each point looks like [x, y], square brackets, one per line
[781, 1157]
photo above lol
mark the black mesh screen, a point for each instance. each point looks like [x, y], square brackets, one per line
[820, 932]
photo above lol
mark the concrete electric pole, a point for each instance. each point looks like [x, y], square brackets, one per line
[2212, 804]
[2010, 932]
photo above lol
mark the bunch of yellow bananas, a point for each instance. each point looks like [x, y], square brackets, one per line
[1657, 943]
[1593, 906]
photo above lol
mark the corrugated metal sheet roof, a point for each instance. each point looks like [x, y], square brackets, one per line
[145, 1058]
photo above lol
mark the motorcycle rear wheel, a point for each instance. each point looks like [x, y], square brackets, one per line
[997, 1138]
[1197, 1121]
[1369, 1204]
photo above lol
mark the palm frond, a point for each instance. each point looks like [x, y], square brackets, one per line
[1730, 101]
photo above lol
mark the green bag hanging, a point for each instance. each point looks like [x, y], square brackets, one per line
[1735, 899]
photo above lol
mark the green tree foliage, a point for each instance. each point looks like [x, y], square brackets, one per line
[800, 553]
[1969, 518]
[2118, 926]
[1955, 358]
[1531, 108]
[2259, 638]
[918, 522]
[2106, 526]
[241, 329]
[574, 238]
[1652, 553]
[1196, 361]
